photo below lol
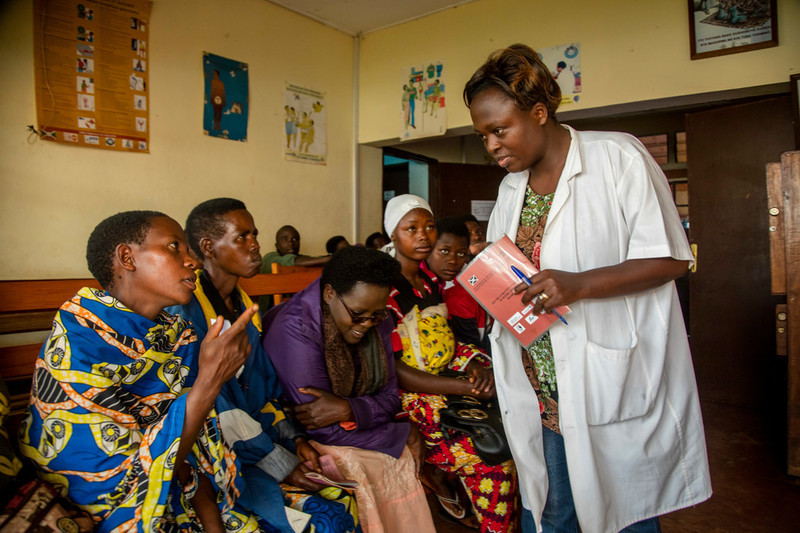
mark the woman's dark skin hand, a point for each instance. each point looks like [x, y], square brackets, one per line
[327, 409]
[481, 379]
[634, 275]
[306, 453]
[297, 478]
[221, 355]
[415, 380]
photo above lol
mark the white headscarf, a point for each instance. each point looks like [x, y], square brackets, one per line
[396, 209]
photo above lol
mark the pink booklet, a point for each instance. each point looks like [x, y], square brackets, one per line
[330, 474]
[491, 281]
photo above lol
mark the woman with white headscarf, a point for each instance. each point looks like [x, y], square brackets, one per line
[420, 314]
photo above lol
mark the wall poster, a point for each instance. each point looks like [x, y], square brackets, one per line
[423, 112]
[305, 125]
[91, 72]
[227, 97]
[721, 27]
[564, 62]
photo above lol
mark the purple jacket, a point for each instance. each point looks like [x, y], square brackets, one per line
[293, 341]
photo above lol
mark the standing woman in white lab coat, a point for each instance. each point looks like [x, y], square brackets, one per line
[607, 426]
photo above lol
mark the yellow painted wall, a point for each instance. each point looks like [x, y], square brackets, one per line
[51, 196]
[632, 50]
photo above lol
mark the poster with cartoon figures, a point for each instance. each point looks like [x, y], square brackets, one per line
[564, 62]
[423, 112]
[305, 124]
[227, 97]
[91, 72]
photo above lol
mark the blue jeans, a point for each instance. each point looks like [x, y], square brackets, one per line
[559, 514]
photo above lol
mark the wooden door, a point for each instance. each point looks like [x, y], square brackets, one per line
[456, 185]
[732, 310]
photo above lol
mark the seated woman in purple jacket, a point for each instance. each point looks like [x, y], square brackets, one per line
[332, 351]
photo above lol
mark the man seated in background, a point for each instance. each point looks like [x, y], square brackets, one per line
[286, 253]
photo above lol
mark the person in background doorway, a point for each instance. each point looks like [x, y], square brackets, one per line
[477, 238]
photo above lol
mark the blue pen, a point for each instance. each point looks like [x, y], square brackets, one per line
[527, 282]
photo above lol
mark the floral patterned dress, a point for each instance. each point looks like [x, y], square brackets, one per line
[538, 358]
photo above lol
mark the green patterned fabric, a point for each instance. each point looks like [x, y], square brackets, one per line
[538, 359]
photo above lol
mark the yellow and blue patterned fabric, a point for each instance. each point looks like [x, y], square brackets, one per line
[106, 416]
[256, 425]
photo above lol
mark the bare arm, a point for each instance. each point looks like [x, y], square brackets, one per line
[414, 380]
[307, 260]
[634, 275]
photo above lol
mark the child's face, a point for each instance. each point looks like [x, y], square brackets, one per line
[288, 241]
[163, 271]
[414, 235]
[448, 256]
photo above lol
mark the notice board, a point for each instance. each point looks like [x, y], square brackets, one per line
[91, 72]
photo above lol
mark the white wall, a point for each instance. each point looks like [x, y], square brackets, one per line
[632, 50]
[51, 195]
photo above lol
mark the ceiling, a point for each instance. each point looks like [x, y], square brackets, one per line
[363, 16]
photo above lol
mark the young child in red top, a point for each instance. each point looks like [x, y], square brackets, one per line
[467, 318]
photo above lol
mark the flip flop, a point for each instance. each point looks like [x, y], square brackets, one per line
[448, 510]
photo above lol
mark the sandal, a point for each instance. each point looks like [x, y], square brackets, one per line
[451, 509]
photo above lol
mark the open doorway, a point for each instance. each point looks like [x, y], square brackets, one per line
[406, 173]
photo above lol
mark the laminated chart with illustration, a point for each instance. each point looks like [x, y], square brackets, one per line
[490, 279]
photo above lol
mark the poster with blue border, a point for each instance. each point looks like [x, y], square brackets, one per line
[227, 97]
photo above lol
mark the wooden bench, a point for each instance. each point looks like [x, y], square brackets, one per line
[29, 306]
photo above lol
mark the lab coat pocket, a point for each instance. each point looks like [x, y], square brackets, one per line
[617, 387]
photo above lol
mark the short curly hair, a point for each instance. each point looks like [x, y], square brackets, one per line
[128, 227]
[205, 220]
[359, 264]
[519, 72]
[452, 225]
[333, 242]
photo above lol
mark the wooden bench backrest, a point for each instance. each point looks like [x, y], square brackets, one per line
[29, 306]
[286, 270]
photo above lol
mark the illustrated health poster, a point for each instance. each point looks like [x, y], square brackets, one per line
[564, 62]
[227, 97]
[305, 123]
[423, 112]
[91, 70]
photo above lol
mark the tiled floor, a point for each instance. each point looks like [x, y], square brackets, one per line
[751, 492]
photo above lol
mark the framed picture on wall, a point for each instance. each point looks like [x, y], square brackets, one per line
[721, 27]
[794, 80]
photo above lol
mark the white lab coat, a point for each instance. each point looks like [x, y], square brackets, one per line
[628, 404]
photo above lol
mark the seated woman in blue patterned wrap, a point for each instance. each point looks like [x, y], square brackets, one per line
[271, 449]
[121, 417]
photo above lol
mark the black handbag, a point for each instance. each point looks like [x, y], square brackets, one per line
[482, 422]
